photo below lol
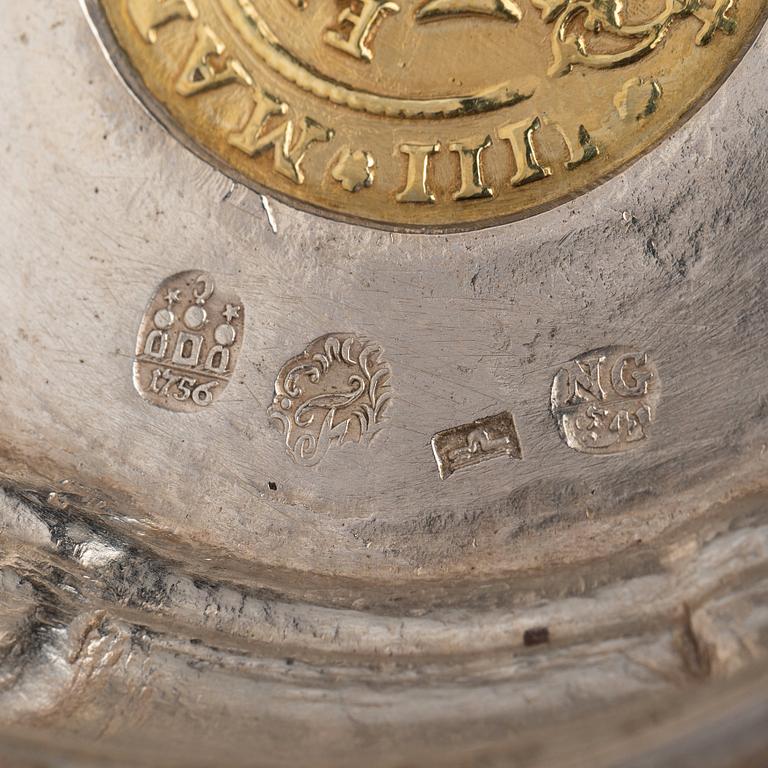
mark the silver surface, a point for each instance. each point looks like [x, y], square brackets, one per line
[189, 591]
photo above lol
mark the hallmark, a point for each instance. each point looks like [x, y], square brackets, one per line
[604, 401]
[480, 440]
[188, 343]
[334, 393]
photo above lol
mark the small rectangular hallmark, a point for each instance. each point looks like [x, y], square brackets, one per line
[469, 444]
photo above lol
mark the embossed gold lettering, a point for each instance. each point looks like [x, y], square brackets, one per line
[357, 27]
[208, 66]
[472, 185]
[581, 148]
[485, 96]
[520, 138]
[416, 189]
[289, 149]
[148, 15]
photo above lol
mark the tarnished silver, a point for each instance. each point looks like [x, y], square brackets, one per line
[188, 342]
[176, 589]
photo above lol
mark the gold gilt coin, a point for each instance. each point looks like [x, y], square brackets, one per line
[423, 114]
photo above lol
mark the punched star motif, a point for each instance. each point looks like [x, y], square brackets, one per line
[172, 297]
[231, 313]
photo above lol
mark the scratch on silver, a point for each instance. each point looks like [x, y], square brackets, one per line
[265, 204]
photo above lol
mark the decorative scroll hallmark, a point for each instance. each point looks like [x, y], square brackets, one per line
[335, 392]
[605, 400]
[188, 343]
[469, 444]
[578, 23]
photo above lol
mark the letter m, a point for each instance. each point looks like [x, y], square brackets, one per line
[288, 148]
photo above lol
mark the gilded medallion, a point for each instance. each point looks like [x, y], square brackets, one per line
[423, 115]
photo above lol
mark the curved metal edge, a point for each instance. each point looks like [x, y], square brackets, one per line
[126, 72]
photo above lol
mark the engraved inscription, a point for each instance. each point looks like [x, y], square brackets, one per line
[469, 444]
[188, 343]
[605, 400]
[336, 392]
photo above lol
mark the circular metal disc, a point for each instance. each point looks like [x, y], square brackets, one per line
[423, 115]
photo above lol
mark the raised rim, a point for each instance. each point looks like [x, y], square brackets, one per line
[131, 78]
